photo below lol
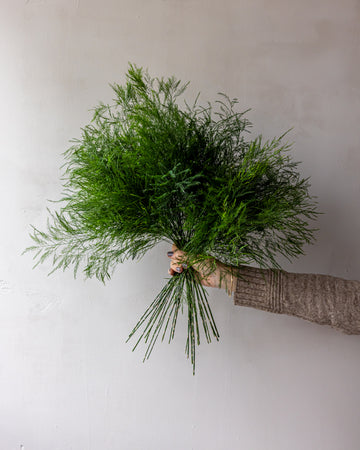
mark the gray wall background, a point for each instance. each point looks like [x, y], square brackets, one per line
[67, 378]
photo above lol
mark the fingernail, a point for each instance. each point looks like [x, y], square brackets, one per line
[170, 254]
[184, 266]
[178, 269]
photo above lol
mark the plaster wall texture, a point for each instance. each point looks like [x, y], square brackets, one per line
[67, 378]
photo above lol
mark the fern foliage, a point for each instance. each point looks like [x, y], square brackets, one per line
[150, 168]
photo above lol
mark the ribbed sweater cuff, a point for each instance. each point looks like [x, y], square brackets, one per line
[259, 289]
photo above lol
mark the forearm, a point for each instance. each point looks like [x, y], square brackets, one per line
[320, 299]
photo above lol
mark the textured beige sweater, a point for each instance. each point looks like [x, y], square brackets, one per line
[322, 299]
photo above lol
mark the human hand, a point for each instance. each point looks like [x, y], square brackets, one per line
[211, 273]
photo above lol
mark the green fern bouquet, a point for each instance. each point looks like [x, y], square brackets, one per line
[147, 170]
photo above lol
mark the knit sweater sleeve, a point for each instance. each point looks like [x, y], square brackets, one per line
[321, 299]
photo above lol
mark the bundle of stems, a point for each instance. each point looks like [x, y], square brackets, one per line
[147, 170]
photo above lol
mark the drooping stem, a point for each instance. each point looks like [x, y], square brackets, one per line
[181, 290]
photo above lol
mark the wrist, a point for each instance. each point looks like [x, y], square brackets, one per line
[226, 279]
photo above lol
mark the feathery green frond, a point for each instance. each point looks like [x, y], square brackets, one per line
[148, 169]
